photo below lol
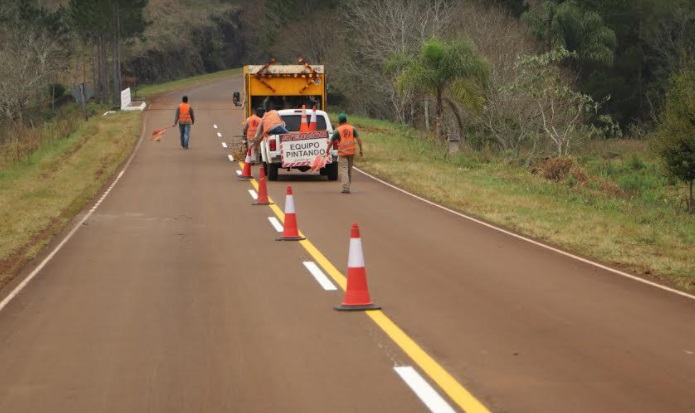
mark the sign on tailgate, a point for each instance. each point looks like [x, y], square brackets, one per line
[302, 149]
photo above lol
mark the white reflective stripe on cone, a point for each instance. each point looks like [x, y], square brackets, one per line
[289, 205]
[355, 256]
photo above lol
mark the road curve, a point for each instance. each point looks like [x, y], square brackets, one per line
[175, 297]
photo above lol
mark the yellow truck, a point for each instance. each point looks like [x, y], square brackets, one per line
[286, 88]
[274, 86]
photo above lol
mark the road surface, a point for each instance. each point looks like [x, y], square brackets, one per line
[173, 295]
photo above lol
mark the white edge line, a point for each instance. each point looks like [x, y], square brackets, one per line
[50, 256]
[224, 145]
[319, 276]
[231, 158]
[43, 263]
[276, 224]
[253, 194]
[566, 254]
[433, 400]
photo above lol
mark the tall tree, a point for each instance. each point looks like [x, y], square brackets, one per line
[565, 24]
[675, 137]
[450, 72]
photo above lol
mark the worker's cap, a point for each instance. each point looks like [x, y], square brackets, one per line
[342, 117]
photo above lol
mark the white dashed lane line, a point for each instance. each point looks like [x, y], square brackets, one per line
[224, 145]
[214, 126]
[319, 276]
[238, 171]
[276, 224]
[253, 194]
[423, 390]
[219, 135]
[231, 158]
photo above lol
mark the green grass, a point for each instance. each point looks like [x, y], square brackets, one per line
[640, 227]
[41, 194]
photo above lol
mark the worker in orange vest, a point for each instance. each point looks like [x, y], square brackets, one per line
[271, 124]
[185, 118]
[251, 126]
[348, 140]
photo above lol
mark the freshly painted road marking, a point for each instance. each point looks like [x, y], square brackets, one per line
[278, 226]
[231, 158]
[253, 194]
[224, 145]
[521, 237]
[456, 392]
[423, 390]
[219, 135]
[319, 275]
[215, 126]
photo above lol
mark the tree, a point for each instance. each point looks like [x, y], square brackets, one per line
[561, 111]
[674, 140]
[450, 73]
[564, 24]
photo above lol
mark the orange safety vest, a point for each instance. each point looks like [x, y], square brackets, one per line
[184, 113]
[271, 120]
[347, 143]
[252, 126]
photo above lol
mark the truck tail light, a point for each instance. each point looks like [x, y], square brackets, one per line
[335, 145]
[272, 144]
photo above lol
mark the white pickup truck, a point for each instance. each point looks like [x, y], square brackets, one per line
[292, 153]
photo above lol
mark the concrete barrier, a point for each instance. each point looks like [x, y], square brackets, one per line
[127, 103]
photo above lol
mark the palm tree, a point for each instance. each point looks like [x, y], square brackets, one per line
[452, 73]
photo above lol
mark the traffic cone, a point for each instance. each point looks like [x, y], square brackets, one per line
[262, 189]
[246, 172]
[312, 122]
[357, 293]
[290, 231]
[304, 126]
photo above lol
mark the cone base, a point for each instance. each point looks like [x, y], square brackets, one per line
[245, 178]
[262, 203]
[290, 239]
[343, 307]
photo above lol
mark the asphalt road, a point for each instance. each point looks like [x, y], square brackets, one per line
[174, 296]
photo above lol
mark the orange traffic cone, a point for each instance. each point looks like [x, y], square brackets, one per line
[304, 126]
[262, 189]
[246, 172]
[312, 122]
[290, 231]
[357, 293]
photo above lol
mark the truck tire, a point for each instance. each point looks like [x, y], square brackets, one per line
[273, 172]
[332, 171]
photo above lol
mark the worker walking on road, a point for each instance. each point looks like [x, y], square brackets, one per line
[251, 127]
[346, 136]
[185, 118]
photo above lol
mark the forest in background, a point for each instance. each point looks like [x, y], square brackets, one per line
[521, 78]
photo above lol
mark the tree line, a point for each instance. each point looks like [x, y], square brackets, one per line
[523, 78]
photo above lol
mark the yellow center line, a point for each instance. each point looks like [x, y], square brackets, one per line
[462, 397]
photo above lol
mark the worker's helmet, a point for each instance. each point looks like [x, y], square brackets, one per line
[260, 112]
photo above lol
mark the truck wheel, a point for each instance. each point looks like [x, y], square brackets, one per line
[272, 172]
[332, 171]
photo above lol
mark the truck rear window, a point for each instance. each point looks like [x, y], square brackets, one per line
[292, 122]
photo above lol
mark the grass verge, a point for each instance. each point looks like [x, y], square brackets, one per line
[178, 84]
[636, 226]
[40, 195]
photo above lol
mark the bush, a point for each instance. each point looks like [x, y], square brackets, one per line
[56, 90]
